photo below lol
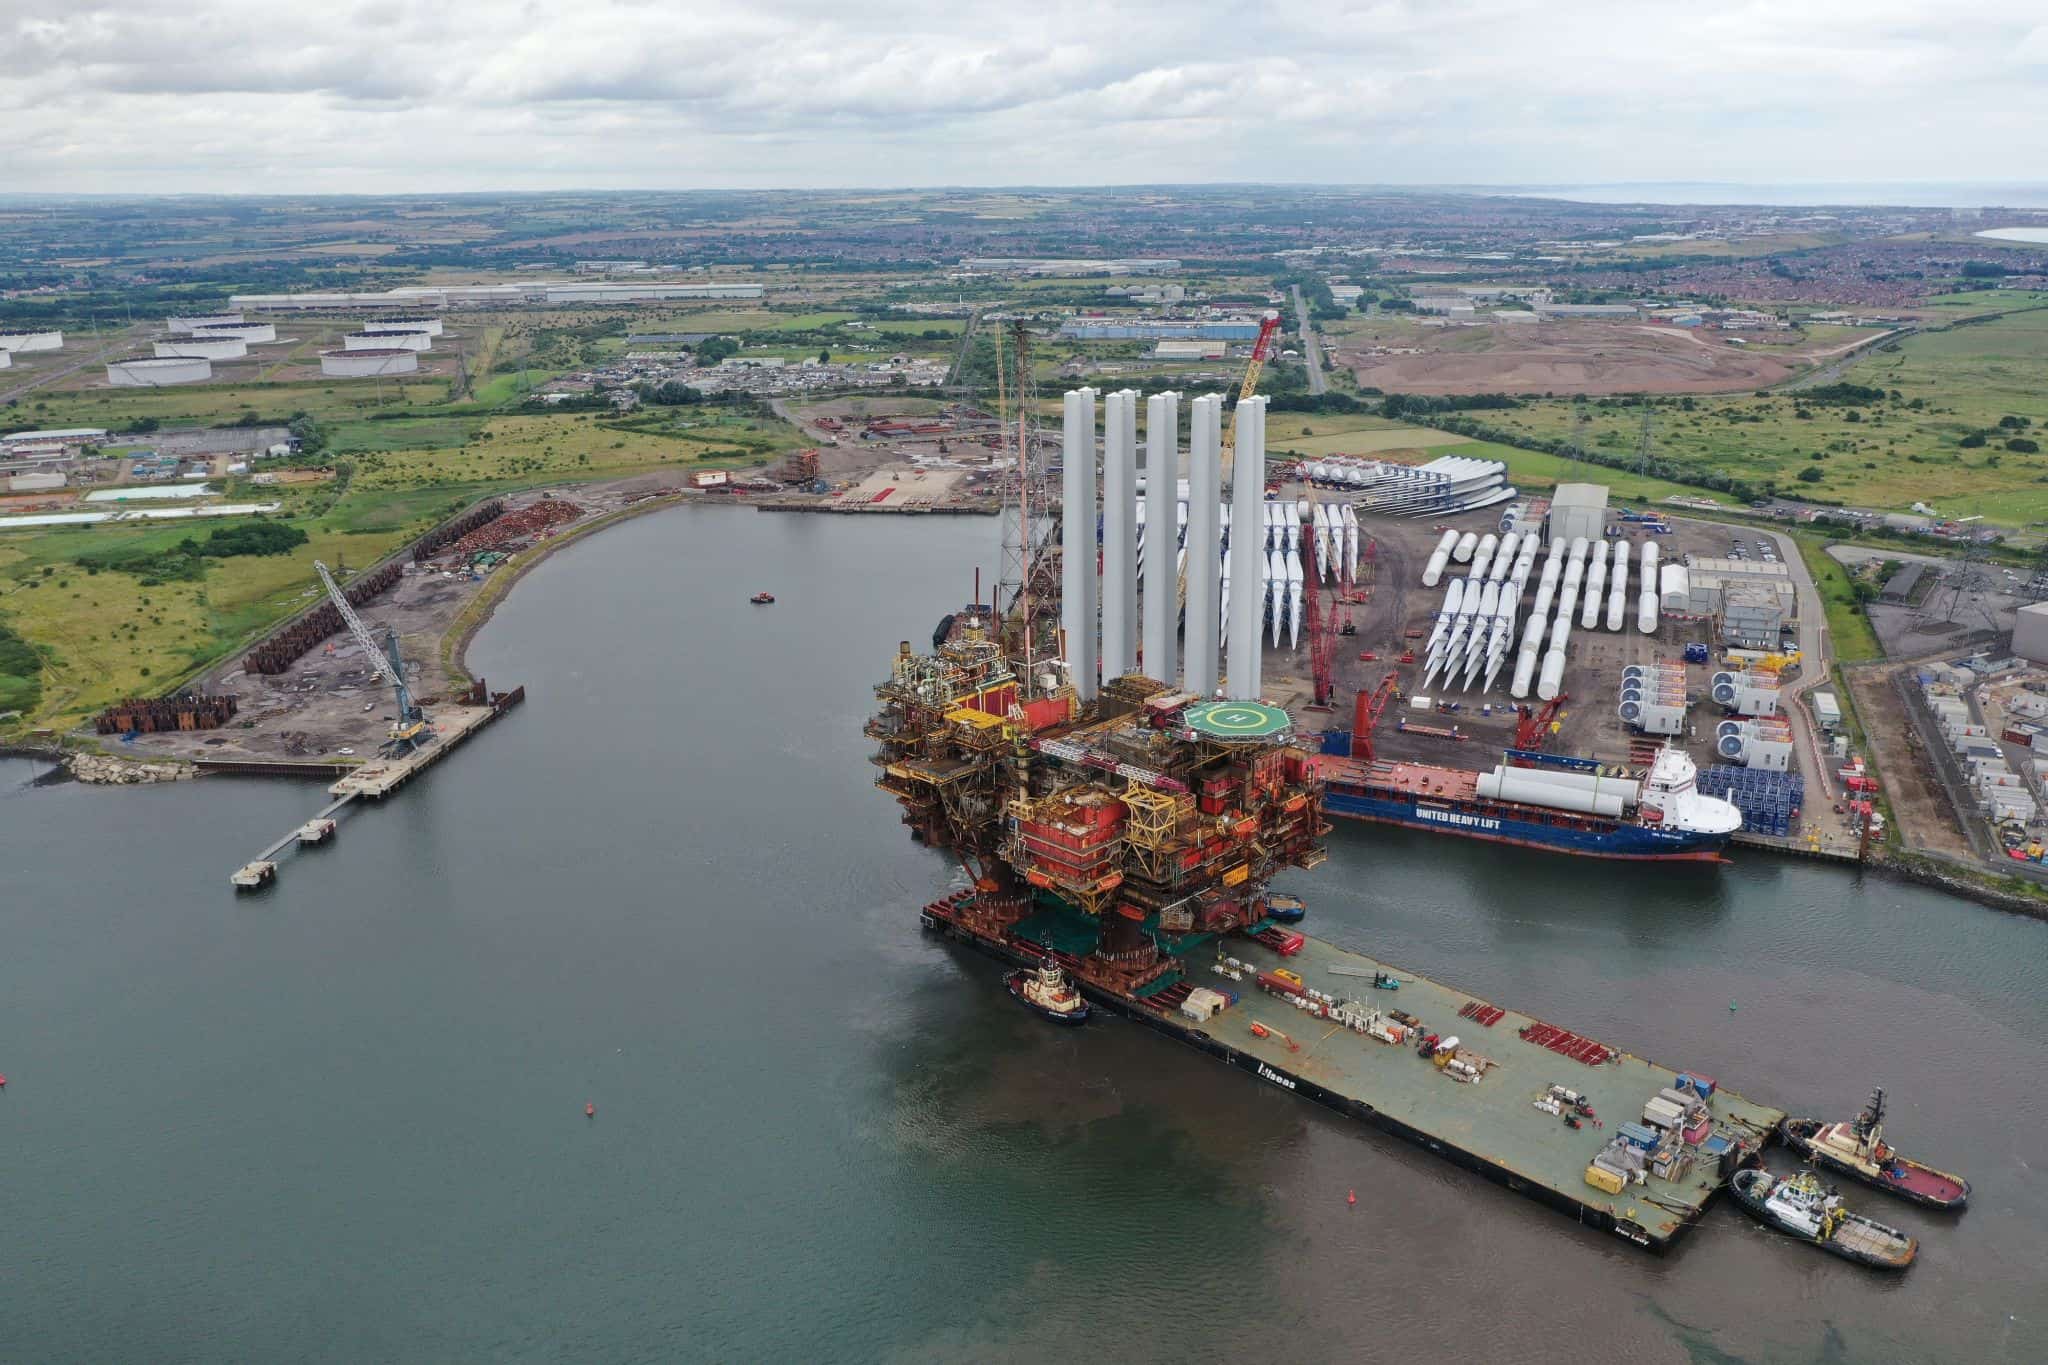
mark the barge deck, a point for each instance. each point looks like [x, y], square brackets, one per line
[1490, 1126]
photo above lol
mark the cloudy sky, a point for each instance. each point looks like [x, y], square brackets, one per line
[398, 95]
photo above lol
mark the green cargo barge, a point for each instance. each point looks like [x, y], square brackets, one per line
[1490, 1125]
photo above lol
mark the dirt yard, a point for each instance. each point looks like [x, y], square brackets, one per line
[1926, 819]
[1568, 357]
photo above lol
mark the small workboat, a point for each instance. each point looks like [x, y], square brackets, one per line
[1800, 1206]
[762, 599]
[1047, 993]
[1858, 1150]
[1285, 909]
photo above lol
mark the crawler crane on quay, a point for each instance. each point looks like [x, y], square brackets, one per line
[1119, 832]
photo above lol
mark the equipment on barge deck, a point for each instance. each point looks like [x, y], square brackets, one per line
[1802, 1207]
[1858, 1150]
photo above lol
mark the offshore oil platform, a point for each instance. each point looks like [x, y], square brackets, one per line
[1120, 812]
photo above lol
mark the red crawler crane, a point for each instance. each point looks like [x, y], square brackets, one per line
[1367, 715]
[1533, 726]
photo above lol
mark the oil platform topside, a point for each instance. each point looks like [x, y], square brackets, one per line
[1128, 820]
[1124, 822]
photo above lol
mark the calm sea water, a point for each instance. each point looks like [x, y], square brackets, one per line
[344, 1120]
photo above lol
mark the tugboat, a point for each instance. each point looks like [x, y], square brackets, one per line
[762, 599]
[1801, 1206]
[1859, 1151]
[1048, 994]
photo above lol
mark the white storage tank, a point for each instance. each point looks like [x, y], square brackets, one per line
[367, 364]
[152, 372]
[431, 326]
[252, 332]
[397, 334]
[386, 341]
[6, 359]
[185, 326]
[31, 341]
[206, 348]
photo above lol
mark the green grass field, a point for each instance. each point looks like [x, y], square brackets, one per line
[1891, 455]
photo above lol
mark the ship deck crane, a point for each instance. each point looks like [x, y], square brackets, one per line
[411, 722]
[1367, 717]
[1269, 327]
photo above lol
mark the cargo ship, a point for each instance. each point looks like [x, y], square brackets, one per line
[1126, 828]
[1562, 805]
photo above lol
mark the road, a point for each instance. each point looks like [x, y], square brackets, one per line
[1847, 354]
[121, 342]
[1311, 345]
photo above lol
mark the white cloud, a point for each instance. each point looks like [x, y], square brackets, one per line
[248, 95]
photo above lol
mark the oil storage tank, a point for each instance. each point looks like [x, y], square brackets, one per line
[251, 332]
[151, 372]
[205, 347]
[369, 363]
[368, 340]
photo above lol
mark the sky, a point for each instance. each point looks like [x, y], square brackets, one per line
[392, 96]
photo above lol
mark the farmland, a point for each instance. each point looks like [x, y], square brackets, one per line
[1939, 387]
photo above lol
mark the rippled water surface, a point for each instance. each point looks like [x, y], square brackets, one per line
[344, 1120]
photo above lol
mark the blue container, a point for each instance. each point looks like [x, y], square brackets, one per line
[1637, 1135]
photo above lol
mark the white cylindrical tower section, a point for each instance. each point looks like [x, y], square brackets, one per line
[1077, 538]
[1119, 533]
[1162, 477]
[1646, 611]
[1247, 493]
[1467, 544]
[1205, 496]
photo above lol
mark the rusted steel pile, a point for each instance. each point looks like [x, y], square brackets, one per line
[148, 715]
[278, 652]
[427, 545]
[529, 520]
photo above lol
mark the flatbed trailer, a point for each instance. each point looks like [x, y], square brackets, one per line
[1489, 1126]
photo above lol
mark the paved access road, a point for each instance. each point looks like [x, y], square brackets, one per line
[1311, 345]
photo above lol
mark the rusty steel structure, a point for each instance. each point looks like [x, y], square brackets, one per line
[290, 642]
[1116, 836]
[152, 715]
[448, 532]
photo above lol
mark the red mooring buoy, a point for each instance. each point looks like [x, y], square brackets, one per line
[1351, 1198]
[589, 1111]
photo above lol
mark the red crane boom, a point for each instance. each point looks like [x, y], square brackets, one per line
[1534, 725]
[1367, 715]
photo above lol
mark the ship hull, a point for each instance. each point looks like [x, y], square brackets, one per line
[1015, 982]
[1741, 1189]
[1923, 1185]
[1586, 839]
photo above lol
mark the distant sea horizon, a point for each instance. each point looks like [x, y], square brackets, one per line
[1844, 194]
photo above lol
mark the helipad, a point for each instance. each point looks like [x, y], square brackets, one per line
[1238, 720]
